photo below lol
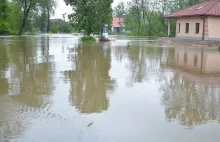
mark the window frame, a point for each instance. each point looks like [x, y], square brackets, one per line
[179, 28]
[187, 28]
[197, 28]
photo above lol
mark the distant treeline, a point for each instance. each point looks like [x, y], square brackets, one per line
[145, 17]
[29, 17]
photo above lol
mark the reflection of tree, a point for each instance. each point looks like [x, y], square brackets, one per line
[3, 68]
[90, 81]
[33, 75]
[189, 101]
[27, 86]
[143, 62]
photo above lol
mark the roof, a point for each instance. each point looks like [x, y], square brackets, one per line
[209, 8]
[116, 22]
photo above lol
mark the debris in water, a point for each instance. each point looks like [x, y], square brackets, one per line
[90, 124]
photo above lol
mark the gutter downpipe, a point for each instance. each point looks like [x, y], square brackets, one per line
[203, 33]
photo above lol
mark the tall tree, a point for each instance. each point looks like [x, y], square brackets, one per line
[119, 11]
[4, 10]
[90, 15]
[27, 6]
[48, 7]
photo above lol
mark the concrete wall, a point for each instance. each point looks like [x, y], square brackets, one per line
[214, 28]
[192, 27]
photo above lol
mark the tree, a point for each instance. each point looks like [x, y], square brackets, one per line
[90, 15]
[119, 11]
[4, 10]
[27, 6]
[43, 7]
[145, 17]
[48, 7]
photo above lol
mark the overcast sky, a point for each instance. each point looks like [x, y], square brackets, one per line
[62, 8]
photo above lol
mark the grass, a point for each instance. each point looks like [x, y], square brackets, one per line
[88, 38]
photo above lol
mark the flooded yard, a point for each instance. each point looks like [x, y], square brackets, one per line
[57, 89]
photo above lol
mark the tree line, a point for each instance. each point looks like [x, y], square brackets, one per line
[142, 17]
[28, 16]
[145, 17]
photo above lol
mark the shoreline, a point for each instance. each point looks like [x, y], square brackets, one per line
[187, 43]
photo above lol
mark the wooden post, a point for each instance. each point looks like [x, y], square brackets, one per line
[169, 27]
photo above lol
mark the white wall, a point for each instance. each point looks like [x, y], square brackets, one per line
[192, 27]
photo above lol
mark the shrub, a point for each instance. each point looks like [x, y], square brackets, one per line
[88, 38]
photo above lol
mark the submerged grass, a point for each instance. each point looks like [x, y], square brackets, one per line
[88, 38]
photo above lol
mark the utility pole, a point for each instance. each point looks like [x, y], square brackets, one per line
[64, 15]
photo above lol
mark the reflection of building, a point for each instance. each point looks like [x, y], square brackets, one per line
[191, 93]
[202, 61]
[199, 64]
[200, 21]
[117, 25]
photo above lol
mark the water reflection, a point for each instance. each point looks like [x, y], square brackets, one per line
[26, 81]
[90, 80]
[58, 86]
[192, 94]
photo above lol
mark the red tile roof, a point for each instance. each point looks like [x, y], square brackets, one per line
[116, 22]
[209, 8]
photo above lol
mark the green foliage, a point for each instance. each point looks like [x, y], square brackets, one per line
[61, 27]
[4, 10]
[16, 18]
[54, 28]
[145, 17]
[88, 38]
[119, 11]
[91, 15]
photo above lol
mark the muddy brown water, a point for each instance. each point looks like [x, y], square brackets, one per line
[55, 88]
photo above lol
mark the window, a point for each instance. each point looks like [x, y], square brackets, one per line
[187, 27]
[197, 28]
[179, 28]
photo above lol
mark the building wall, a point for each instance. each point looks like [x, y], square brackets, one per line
[192, 27]
[214, 28]
[116, 30]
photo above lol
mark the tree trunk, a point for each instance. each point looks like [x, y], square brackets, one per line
[26, 13]
[48, 19]
[23, 23]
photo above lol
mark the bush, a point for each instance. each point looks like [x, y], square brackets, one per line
[88, 38]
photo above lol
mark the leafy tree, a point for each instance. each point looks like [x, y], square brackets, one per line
[145, 17]
[4, 10]
[119, 11]
[32, 7]
[90, 15]
[48, 7]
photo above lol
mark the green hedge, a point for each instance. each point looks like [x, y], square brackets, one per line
[88, 38]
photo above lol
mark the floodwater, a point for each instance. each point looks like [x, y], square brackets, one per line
[57, 89]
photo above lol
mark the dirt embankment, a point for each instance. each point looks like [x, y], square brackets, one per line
[187, 43]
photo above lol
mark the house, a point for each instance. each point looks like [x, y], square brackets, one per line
[201, 21]
[117, 25]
